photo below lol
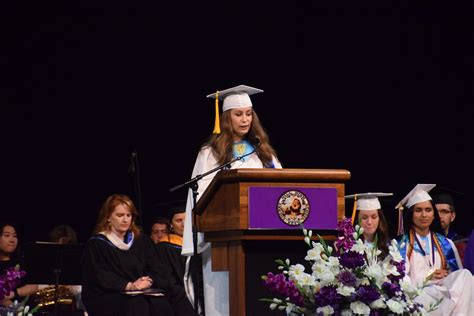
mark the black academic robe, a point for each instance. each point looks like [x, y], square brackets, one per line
[106, 270]
[171, 254]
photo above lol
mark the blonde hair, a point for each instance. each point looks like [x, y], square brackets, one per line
[109, 207]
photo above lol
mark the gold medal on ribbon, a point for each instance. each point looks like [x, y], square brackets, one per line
[239, 148]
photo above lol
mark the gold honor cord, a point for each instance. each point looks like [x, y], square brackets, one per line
[217, 124]
[354, 208]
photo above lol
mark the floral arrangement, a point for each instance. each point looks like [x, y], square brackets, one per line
[350, 279]
[9, 280]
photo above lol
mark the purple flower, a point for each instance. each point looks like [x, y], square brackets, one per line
[400, 269]
[347, 278]
[351, 260]
[279, 284]
[10, 280]
[346, 235]
[344, 243]
[367, 294]
[345, 227]
[390, 288]
[328, 295]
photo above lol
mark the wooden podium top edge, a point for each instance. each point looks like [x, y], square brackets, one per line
[271, 175]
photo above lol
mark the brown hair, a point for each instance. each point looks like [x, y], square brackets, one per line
[109, 207]
[381, 232]
[64, 234]
[222, 143]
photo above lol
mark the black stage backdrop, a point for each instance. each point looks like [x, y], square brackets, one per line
[383, 89]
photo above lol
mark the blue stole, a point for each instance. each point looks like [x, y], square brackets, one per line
[245, 147]
[242, 148]
[445, 247]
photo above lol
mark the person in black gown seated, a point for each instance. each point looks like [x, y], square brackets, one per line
[118, 261]
[169, 248]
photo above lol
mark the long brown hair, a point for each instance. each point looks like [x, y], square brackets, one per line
[381, 232]
[109, 207]
[222, 144]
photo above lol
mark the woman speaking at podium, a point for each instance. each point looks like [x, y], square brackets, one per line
[237, 132]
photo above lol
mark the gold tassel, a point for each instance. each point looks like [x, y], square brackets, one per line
[217, 124]
[400, 228]
[354, 208]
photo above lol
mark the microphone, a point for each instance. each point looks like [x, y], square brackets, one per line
[131, 166]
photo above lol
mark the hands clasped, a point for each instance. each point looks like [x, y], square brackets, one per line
[141, 283]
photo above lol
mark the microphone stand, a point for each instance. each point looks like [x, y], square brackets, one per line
[133, 169]
[193, 184]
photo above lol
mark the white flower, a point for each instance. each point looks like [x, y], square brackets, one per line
[395, 306]
[346, 312]
[375, 272]
[378, 304]
[333, 262]
[323, 273]
[318, 246]
[359, 247]
[396, 256]
[327, 277]
[390, 269]
[289, 307]
[306, 280]
[360, 308]
[273, 306]
[394, 252]
[296, 271]
[325, 310]
[408, 288]
[313, 254]
[345, 290]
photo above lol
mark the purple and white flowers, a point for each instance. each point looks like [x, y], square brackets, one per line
[350, 279]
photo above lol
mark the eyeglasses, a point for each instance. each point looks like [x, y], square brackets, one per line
[445, 211]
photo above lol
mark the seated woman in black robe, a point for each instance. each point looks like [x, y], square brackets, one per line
[118, 262]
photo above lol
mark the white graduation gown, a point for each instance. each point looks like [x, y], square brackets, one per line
[216, 284]
[456, 290]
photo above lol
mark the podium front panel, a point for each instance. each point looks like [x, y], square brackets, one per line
[292, 207]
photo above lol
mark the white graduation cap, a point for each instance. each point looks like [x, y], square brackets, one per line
[368, 201]
[418, 194]
[234, 98]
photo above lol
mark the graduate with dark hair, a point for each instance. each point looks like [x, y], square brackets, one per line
[169, 249]
[431, 259]
[369, 215]
[444, 203]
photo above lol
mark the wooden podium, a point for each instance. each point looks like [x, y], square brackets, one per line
[223, 217]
